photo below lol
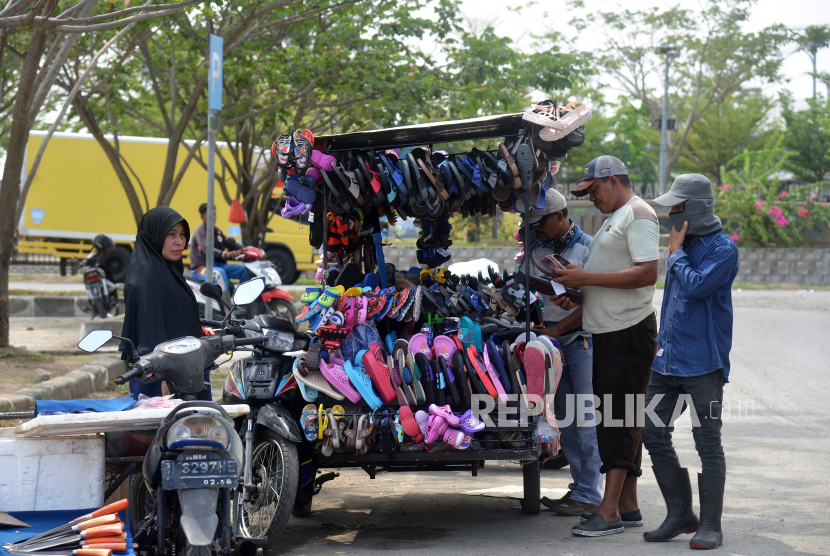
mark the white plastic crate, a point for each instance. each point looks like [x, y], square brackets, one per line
[39, 474]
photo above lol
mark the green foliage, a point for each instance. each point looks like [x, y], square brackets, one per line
[808, 137]
[716, 56]
[734, 124]
[759, 211]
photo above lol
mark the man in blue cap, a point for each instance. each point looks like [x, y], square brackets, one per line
[617, 286]
[693, 360]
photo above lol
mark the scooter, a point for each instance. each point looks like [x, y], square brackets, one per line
[270, 431]
[194, 464]
[100, 290]
[273, 300]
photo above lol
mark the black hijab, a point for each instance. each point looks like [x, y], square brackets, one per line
[159, 304]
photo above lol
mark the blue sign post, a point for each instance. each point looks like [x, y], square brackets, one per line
[214, 103]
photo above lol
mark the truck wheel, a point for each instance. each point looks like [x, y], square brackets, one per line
[284, 261]
[116, 262]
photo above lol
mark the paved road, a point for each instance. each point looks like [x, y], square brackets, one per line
[777, 492]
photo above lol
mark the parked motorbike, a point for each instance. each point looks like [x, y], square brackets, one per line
[271, 434]
[273, 300]
[196, 452]
[100, 288]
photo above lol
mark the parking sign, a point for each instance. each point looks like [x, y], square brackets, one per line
[215, 73]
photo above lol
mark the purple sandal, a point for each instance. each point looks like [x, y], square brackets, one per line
[294, 207]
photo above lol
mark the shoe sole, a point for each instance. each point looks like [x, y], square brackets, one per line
[580, 533]
[670, 538]
[525, 162]
[625, 524]
[698, 546]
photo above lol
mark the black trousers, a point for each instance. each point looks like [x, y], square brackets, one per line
[622, 371]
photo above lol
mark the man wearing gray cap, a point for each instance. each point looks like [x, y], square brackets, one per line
[693, 360]
[617, 290]
[558, 234]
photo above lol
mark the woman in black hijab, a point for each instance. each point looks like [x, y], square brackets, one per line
[159, 304]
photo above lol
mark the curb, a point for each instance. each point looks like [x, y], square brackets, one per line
[51, 306]
[84, 380]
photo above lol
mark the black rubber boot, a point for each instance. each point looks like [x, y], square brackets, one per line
[709, 534]
[677, 492]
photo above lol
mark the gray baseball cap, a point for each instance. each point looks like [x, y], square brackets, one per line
[685, 187]
[554, 202]
[600, 167]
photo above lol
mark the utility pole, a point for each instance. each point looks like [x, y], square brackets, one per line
[214, 103]
[670, 52]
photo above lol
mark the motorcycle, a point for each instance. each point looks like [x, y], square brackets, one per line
[273, 300]
[100, 288]
[272, 437]
[196, 452]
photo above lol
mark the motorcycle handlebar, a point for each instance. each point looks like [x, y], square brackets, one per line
[249, 341]
[212, 323]
[132, 373]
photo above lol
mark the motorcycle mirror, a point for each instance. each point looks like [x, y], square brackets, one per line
[94, 340]
[212, 291]
[247, 292]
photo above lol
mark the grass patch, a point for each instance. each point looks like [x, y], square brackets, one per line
[34, 356]
[7, 353]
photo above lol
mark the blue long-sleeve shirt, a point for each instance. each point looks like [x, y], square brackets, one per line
[696, 315]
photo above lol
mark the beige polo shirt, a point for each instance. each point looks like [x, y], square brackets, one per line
[630, 235]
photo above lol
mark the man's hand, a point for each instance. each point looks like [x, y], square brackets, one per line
[564, 302]
[676, 238]
[551, 331]
[572, 277]
[231, 255]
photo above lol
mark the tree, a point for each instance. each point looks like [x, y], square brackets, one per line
[733, 125]
[808, 137]
[715, 58]
[36, 37]
[336, 70]
[813, 39]
[758, 210]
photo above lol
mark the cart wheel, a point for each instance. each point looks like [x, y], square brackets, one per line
[531, 503]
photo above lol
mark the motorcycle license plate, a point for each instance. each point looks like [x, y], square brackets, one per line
[211, 473]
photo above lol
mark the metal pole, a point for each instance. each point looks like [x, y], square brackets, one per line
[663, 131]
[209, 243]
[813, 56]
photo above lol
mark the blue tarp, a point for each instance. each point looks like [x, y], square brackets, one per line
[83, 406]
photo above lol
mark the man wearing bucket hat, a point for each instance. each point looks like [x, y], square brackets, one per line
[558, 234]
[617, 289]
[693, 359]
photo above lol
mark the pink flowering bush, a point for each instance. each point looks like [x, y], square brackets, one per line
[758, 211]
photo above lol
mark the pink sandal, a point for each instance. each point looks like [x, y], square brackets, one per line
[339, 379]
[446, 413]
[535, 364]
[435, 428]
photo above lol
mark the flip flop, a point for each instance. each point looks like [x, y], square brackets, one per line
[308, 394]
[308, 422]
[317, 381]
[535, 364]
[443, 346]
[410, 425]
[379, 372]
[418, 344]
[362, 383]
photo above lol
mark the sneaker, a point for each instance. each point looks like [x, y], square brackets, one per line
[573, 507]
[596, 526]
[548, 502]
[630, 519]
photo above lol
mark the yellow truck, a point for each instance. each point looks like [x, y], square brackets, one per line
[76, 195]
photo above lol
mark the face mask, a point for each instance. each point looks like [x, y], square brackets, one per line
[700, 214]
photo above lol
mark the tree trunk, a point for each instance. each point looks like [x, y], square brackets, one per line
[115, 160]
[10, 190]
